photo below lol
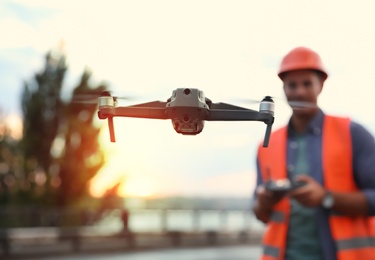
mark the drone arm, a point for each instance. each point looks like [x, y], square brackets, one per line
[238, 115]
[140, 112]
[226, 106]
[243, 115]
[152, 104]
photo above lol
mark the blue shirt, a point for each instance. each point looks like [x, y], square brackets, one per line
[303, 233]
[363, 146]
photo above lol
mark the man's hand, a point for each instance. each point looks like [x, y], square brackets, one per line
[309, 195]
[265, 200]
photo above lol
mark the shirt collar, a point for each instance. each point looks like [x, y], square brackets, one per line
[315, 125]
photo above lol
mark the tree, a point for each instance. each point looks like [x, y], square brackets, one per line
[82, 157]
[42, 112]
[10, 180]
[60, 141]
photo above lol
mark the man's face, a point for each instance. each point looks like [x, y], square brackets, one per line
[303, 86]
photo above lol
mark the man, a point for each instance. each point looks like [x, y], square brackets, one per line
[330, 216]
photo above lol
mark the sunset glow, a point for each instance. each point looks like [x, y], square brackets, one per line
[121, 167]
[14, 122]
[229, 49]
[141, 187]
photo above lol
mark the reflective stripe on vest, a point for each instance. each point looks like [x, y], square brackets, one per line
[354, 236]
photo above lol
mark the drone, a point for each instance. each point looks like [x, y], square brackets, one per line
[188, 109]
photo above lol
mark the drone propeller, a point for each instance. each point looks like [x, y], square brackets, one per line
[293, 104]
[88, 101]
[302, 104]
[93, 98]
[252, 101]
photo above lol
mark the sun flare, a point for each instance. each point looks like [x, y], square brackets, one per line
[136, 187]
[121, 167]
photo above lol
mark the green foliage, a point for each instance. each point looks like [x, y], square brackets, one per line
[42, 113]
[60, 141]
[10, 162]
[81, 158]
[42, 108]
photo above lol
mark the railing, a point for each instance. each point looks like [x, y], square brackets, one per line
[139, 228]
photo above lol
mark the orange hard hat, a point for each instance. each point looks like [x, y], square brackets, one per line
[302, 58]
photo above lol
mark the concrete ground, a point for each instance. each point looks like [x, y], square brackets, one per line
[241, 252]
[201, 245]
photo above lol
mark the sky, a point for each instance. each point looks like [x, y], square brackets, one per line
[229, 49]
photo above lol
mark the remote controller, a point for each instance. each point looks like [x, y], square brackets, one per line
[283, 185]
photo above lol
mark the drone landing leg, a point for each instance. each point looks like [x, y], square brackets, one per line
[267, 135]
[111, 129]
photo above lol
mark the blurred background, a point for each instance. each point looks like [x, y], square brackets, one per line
[58, 168]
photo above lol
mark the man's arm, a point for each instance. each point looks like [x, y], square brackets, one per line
[263, 200]
[364, 170]
[261, 212]
[312, 194]
[350, 204]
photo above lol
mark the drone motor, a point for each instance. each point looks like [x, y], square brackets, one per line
[267, 105]
[107, 102]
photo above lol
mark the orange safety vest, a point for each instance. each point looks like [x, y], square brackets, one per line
[354, 236]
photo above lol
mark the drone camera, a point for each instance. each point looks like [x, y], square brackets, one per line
[187, 128]
[186, 118]
[187, 91]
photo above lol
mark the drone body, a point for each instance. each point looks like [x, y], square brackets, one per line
[187, 108]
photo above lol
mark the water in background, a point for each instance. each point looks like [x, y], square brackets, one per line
[155, 220]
